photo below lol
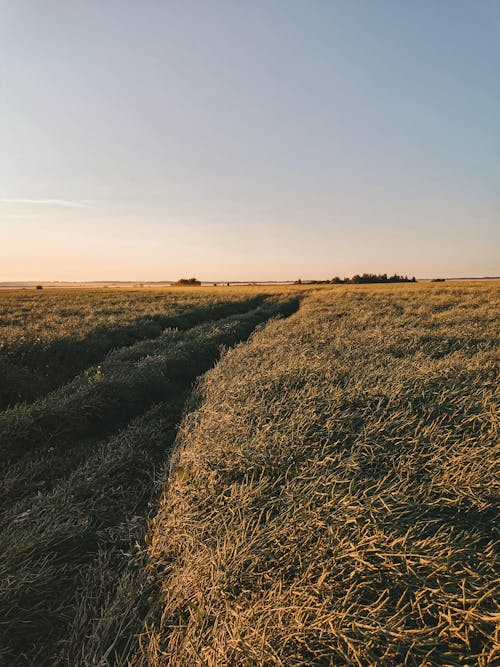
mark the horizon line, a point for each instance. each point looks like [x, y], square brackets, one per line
[171, 282]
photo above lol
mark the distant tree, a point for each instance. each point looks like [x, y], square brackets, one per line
[39, 287]
[188, 282]
[367, 278]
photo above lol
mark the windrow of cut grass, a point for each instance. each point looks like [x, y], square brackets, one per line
[84, 526]
[125, 384]
[45, 340]
[334, 498]
[74, 504]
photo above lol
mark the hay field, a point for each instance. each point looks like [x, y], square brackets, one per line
[333, 499]
[80, 456]
[250, 476]
[47, 337]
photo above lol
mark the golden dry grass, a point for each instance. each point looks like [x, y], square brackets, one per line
[333, 499]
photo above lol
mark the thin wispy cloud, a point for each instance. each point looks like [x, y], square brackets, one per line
[64, 203]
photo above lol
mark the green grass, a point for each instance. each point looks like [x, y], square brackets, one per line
[334, 499]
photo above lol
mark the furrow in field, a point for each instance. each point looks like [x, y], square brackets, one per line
[32, 367]
[65, 548]
[124, 385]
[50, 540]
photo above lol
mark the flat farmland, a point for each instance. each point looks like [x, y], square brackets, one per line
[250, 476]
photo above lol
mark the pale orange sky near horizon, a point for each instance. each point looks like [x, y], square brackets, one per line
[248, 141]
[77, 247]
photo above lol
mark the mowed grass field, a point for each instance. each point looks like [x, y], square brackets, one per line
[250, 476]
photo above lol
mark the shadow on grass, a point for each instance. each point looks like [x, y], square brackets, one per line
[73, 591]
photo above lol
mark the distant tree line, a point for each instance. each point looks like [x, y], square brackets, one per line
[363, 279]
[188, 282]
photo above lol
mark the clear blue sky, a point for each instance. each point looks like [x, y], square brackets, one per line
[249, 139]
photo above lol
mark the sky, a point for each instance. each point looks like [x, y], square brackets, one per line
[249, 139]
